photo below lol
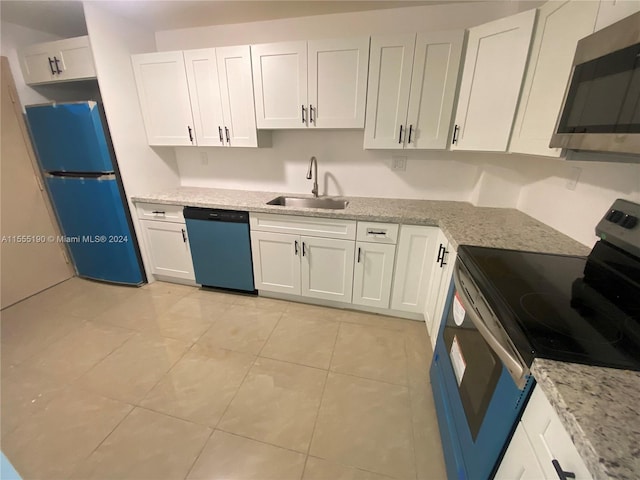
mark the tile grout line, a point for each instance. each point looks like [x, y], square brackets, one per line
[324, 388]
[411, 412]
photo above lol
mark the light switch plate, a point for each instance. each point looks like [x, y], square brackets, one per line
[399, 163]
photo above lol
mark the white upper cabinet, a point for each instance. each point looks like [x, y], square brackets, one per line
[491, 81]
[559, 27]
[221, 93]
[319, 84]
[164, 98]
[389, 86]
[59, 61]
[337, 82]
[611, 11]
[204, 92]
[197, 97]
[280, 84]
[411, 90]
[236, 87]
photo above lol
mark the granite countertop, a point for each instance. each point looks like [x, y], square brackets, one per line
[598, 406]
[461, 222]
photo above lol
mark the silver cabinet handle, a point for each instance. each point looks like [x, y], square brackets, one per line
[304, 249]
[58, 71]
[311, 117]
[359, 252]
[295, 247]
[226, 132]
[159, 212]
[303, 115]
[410, 130]
[53, 72]
[220, 134]
[376, 232]
[184, 236]
[400, 136]
[190, 133]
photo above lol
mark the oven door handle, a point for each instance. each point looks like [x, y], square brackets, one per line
[514, 365]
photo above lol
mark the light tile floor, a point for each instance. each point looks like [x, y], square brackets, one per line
[172, 382]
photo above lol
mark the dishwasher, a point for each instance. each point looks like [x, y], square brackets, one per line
[220, 248]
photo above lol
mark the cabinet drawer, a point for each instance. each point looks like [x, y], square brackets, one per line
[163, 213]
[311, 226]
[377, 232]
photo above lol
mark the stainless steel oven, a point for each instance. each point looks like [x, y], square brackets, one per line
[508, 307]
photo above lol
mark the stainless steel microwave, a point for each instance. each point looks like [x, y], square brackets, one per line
[601, 108]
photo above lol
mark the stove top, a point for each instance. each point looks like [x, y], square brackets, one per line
[551, 308]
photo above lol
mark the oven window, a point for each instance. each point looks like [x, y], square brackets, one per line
[476, 366]
[604, 96]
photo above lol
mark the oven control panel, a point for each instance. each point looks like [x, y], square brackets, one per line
[621, 226]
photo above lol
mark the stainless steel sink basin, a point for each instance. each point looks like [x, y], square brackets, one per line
[324, 202]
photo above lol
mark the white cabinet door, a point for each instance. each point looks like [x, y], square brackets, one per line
[168, 247]
[76, 59]
[59, 61]
[550, 440]
[327, 268]
[612, 11]
[204, 92]
[433, 86]
[372, 274]
[415, 260]
[164, 98]
[519, 461]
[391, 62]
[280, 84]
[337, 82]
[236, 87]
[442, 271]
[559, 27]
[276, 262]
[37, 63]
[493, 69]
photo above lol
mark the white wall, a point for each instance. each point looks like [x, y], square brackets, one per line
[113, 40]
[397, 20]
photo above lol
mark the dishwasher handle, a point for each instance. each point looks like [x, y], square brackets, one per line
[215, 215]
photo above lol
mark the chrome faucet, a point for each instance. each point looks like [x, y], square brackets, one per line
[313, 164]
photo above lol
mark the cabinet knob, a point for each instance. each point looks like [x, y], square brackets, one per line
[562, 475]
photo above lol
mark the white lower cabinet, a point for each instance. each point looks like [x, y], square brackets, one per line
[544, 441]
[327, 268]
[165, 236]
[372, 274]
[276, 264]
[417, 248]
[310, 265]
[439, 286]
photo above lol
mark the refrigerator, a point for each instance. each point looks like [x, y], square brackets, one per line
[75, 154]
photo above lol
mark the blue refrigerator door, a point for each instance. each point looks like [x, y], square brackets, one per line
[94, 222]
[69, 137]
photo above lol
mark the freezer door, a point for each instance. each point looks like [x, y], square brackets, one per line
[94, 223]
[69, 137]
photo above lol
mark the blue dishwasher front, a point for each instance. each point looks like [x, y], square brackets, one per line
[220, 248]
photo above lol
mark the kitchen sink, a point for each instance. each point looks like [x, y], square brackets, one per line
[324, 202]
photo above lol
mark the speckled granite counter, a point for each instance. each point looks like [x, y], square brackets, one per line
[599, 408]
[460, 221]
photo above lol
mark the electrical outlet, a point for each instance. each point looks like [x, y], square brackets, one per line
[399, 163]
[574, 176]
[204, 159]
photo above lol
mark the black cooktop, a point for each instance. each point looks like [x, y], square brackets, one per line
[551, 309]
